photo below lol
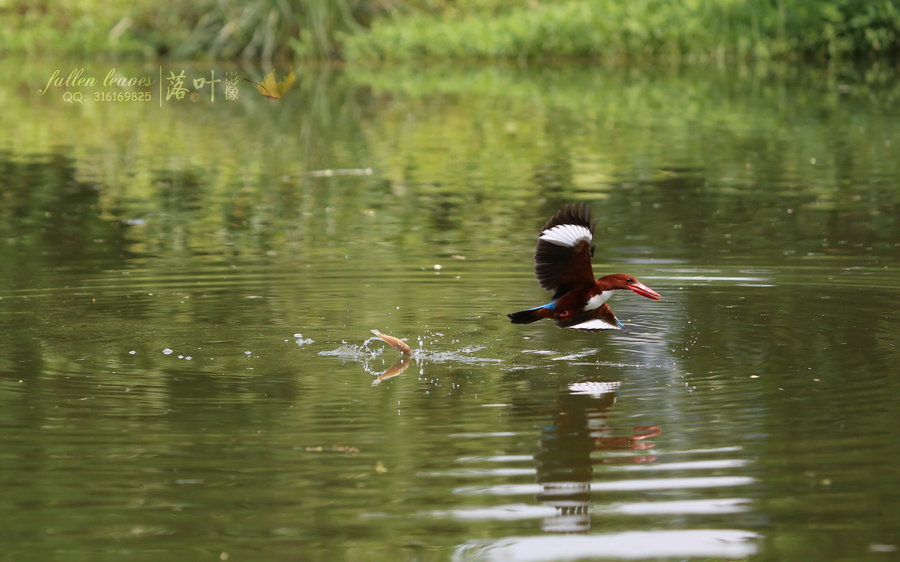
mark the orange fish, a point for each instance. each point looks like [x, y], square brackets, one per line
[398, 343]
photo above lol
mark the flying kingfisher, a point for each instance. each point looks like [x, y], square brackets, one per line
[562, 264]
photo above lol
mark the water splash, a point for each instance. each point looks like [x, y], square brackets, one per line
[301, 341]
[374, 347]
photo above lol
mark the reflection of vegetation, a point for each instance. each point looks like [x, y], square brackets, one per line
[471, 151]
[43, 205]
[689, 150]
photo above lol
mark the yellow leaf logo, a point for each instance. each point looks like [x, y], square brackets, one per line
[272, 89]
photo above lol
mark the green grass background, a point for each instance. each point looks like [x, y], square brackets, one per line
[362, 31]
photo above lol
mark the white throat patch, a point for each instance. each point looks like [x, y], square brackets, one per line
[598, 300]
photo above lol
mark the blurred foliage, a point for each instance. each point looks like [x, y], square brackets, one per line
[611, 29]
[363, 30]
[178, 29]
[71, 27]
[266, 28]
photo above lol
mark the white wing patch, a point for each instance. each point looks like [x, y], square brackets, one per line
[594, 388]
[595, 324]
[567, 235]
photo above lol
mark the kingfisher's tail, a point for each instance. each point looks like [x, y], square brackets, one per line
[527, 316]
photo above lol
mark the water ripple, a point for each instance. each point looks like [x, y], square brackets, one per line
[633, 545]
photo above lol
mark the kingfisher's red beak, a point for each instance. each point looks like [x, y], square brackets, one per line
[644, 291]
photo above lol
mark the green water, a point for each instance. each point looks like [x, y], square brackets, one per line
[187, 291]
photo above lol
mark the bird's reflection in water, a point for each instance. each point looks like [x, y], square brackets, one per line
[579, 426]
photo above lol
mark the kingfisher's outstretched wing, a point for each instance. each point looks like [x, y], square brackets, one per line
[562, 261]
[601, 318]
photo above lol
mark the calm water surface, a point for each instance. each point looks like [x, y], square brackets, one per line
[187, 293]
